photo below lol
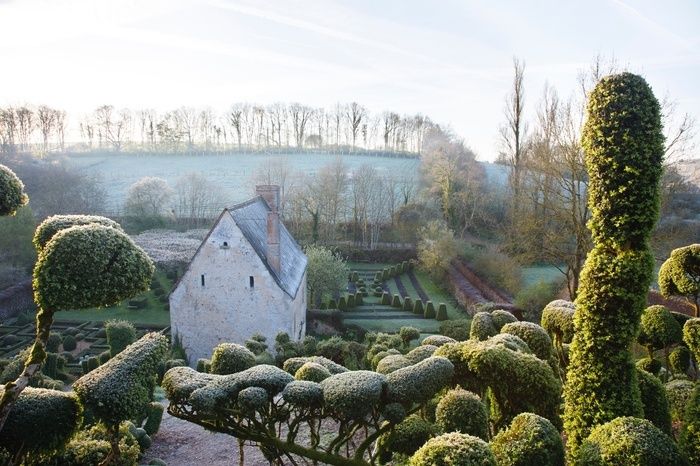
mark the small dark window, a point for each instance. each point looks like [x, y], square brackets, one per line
[202, 279]
[225, 244]
[252, 281]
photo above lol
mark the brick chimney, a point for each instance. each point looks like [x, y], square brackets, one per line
[271, 194]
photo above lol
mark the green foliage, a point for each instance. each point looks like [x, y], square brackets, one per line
[93, 363]
[652, 366]
[537, 340]
[154, 416]
[120, 389]
[41, 421]
[533, 298]
[53, 343]
[454, 449]
[420, 382]
[678, 393]
[690, 433]
[680, 275]
[12, 195]
[90, 447]
[658, 329]
[630, 441]
[326, 272]
[342, 303]
[203, 365]
[69, 343]
[679, 360]
[456, 329]
[462, 411]
[691, 336]
[482, 327]
[313, 372]
[501, 317]
[396, 301]
[436, 248]
[405, 438]
[654, 401]
[292, 365]
[437, 340]
[303, 394]
[408, 334]
[623, 145]
[420, 353]
[429, 310]
[229, 358]
[493, 364]
[120, 334]
[89, 266]
[531, 440]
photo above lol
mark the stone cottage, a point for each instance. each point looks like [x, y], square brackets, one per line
[248, 276]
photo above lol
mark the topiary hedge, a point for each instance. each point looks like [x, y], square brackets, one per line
[69, 343]
[658, 329]
[41, 421]
[630, 441]
[537, 340]
[441, 312]
[429, 310]
[690, 432]
[679, 360]
[12, 195]
[530, 440]
[122, 388]
[229, 358]
[462, 411]
[312, 372]
[406, 438]
[691, 336]
[678, 393]
[352, 395]
[54, 342]
[419, 382]
[52, 225]
[680, 275]
[120, 334]
[454, 449]
[623, 145]
[654, 401]
[482, 327]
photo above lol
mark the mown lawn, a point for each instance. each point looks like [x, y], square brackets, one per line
[540, 273]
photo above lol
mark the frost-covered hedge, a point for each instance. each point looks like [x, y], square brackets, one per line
[352, 395]
[483, 327]
[303, 394]
[41, 421]
[292, 365]
[121, 388]
[530, 440]
[392, 362]
[536, 338]
[420, 353]
[630, 441]
[437, 340]
[558, 320]
[454, 449]
[678, 393]
[312, 372]
[419, 382]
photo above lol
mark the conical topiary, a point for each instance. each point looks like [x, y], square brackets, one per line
[396, 302]
[418, 307]
[441, 312]
[429, 310]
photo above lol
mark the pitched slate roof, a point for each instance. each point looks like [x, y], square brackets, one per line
[251, 218]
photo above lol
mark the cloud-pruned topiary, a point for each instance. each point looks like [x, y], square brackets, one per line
[437, 340]
[678, 393]
[312, 372]
[292, 365]
[351, 395]
[406, 438]
[530, 440]
[482, 327]
[420, 353]
[691, 336]
[12, 195]
[630, 441]
[303, 394]
[658, 329]
[419, 383]
[623, 146]
[41, 421]
[558, 321]
[454, 449]
[654, 401]
[680, 275]
[408, 334]
[52, 225]
[462, 411]
[679, 360]
[492, 363]
[502, 317]
[229, 358]
[393, 362]
[537, 340]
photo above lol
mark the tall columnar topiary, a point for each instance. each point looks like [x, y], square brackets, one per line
[79, 267]
[429, 310]
[12, 195]
[623, 144]
[680, 275]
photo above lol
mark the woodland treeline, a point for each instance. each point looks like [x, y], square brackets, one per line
[245, 127]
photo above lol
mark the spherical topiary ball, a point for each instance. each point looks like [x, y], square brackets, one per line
[531, 440]
[12, 195]
[313, 372]
[679, 359]
[394, 412]
[462, 411]
[252, 399]
[630, 441]
[454, 449]
[405, 438]
[229, 358]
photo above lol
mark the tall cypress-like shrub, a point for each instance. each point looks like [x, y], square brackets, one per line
[623, 144]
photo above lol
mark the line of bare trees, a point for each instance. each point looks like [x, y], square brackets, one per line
[244, 127]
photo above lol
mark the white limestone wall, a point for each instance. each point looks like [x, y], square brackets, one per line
[226, 308]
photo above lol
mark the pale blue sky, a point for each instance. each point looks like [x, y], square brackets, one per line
[449, 59]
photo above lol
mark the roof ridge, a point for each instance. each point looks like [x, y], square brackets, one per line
[241, 205]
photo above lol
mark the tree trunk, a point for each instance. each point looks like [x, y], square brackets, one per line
[12, 390]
